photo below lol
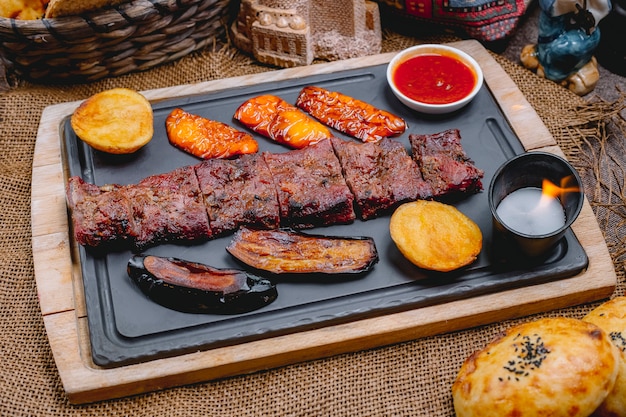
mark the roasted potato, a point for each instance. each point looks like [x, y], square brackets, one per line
[435, 236]
[117, 121]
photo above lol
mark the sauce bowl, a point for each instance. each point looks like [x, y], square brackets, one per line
[434, 79]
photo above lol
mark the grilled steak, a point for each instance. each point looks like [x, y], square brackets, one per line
[444, 163]
[311, 189]
[169, 207]
[314, 186]
[380, 175]
[100, 215]
[237, 192]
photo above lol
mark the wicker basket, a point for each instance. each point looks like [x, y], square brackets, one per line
[133, 36]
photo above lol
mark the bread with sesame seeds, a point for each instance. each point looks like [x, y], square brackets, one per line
[611, 317]
[558, 367]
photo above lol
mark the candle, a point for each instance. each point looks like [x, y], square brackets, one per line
[531, 212]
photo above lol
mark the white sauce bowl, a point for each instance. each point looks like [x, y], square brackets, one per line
[430, 49]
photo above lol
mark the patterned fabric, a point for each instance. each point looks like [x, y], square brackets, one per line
[484, 20]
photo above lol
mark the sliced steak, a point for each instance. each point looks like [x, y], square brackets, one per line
[380, 175]
[445, 164]
[310, 186]
[168, 207]
[101, 216]
[238, 192]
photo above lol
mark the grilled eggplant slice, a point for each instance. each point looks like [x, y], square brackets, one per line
[197, 288]
[285, 251]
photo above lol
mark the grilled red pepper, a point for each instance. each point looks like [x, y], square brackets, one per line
[349, 115]
[273, 117]
[207, 138]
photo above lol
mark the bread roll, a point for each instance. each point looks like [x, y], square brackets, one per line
[558, 367]
[60, 8]
[611, 317]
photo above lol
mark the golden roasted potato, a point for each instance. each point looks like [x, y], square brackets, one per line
[435, 236]
[116, 121]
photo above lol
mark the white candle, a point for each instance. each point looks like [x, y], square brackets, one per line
[531, 212]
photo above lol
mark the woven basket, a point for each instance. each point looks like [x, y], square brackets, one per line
[133, 36]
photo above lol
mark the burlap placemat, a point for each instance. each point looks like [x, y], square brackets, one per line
[412, 378]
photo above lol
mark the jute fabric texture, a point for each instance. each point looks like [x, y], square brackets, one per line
[408, 379]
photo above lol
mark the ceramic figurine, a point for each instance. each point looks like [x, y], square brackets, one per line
[611, 52]
[568, 37]
[290, 33]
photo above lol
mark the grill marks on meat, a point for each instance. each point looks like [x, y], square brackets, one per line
[168, 207]
[311, 188]
[160, 208]
[444, 163]
[238, 192]
[314, 186]
[381, 176]
[100, 215]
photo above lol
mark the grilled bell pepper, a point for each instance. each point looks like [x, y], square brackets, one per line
[207, 138]
[274, 118]
[349, 115]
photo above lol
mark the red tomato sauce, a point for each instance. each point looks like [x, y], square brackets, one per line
[434, 79]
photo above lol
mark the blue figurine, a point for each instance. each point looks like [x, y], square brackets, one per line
[568, 37]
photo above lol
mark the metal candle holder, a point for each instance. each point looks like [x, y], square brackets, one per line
[529, 170]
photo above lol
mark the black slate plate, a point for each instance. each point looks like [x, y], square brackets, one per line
[126, 327]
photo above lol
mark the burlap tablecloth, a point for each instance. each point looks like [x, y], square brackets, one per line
[412, 378]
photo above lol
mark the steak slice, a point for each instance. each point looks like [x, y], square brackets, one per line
[444, 163]
[168, 207]
[238, 192]
[101, 216]
[310, 186]
[380, 175]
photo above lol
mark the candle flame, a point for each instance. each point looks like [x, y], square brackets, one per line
[552, 190]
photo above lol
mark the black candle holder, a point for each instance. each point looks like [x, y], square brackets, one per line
[530, 170]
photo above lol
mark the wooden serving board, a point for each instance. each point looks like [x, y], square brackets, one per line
[60, 288]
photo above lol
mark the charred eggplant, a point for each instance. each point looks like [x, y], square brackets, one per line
[285, 251]
[195, 288]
